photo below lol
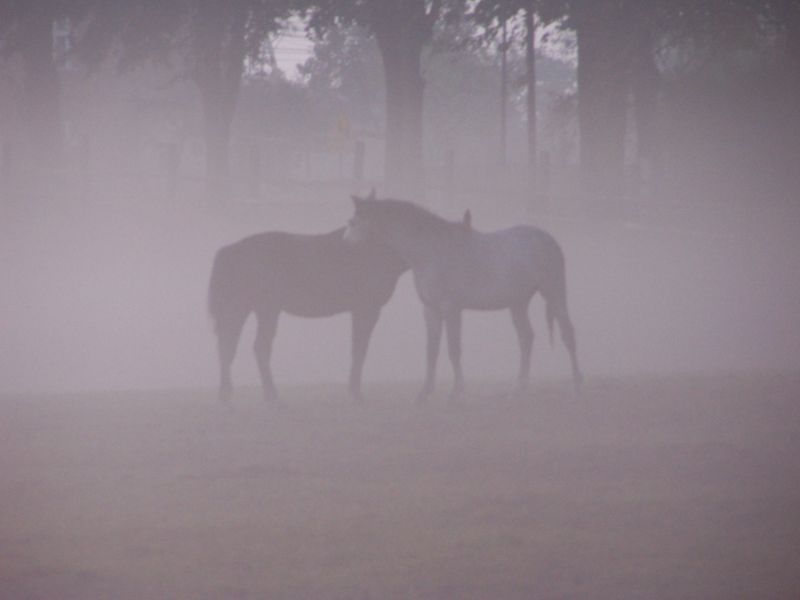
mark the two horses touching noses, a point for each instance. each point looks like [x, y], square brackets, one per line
[356, 269]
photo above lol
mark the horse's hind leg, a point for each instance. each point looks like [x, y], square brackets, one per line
[433, 326]
[522, 324]
[267, 326]
[452, 324]
[568, 337]
[363, 322]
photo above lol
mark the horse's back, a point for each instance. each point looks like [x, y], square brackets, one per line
[525, 245]
[495, 269]
[519, 234]
[314, 274]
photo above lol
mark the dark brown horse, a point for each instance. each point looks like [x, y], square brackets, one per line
[306, 276]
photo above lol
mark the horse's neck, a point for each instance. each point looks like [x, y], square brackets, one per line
[420, 248]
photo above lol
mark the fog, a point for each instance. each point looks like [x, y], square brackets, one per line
[681, 249]
[112, 296]
[657, 142]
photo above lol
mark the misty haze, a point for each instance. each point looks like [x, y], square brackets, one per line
[236, 236]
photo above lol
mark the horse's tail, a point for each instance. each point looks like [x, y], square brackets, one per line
[554, 292]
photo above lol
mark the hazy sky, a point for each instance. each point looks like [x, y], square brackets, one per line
[292, 47]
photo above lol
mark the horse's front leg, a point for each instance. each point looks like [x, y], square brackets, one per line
[363, 322]
[228, 329]
[267, 326]
[452, 323]
[433, 327]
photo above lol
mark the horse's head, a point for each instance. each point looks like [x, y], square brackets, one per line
[395, 221]
[358, 228]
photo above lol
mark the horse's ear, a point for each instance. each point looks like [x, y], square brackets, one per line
[357, 202]
[467, 221]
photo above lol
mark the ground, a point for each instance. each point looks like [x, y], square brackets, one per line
[640, 488]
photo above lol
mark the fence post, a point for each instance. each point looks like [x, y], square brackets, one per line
[8, 159]
[637, 182]
[543, 180]
[359, 154]
[450, 175]
[254, 170]
[171, 158]
[84, 158]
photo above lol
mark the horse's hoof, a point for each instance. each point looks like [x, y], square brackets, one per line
[577, 383]
[224, 395]
[455, 398]
[272, 399]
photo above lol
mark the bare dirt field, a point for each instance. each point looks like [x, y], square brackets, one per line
[641, 488]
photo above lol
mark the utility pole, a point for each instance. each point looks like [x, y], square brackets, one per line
[503, 89]
[530, 76]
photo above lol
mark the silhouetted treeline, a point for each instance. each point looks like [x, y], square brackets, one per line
[697, 96]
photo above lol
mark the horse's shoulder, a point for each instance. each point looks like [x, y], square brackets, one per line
[525, 229]
[528, 233]
[264, 238]
[335, 237]
[274, 239]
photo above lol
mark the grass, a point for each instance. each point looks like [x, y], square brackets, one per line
[649, 488]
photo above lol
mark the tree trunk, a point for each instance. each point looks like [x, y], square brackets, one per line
[646, 90]
[404, 113]
[217, 120]
[414, 146]
[530, 80]
[791, 19]
[645, 80]
[41, 87]
[791, 147]
[220, 51]
[402, 29]
[503, 91]
[602, 97]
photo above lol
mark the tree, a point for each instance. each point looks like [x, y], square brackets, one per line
[630, 50]
[491, 16]
[402, 30]
[208, 41]
[344, 75]
[616, 42]
[26, 30]
[620, 43]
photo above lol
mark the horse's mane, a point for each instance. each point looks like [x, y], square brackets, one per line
[408, 212]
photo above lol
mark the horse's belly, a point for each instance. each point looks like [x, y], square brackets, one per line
[310, 310]
[491, 304]
[488, 302]
[494, 293]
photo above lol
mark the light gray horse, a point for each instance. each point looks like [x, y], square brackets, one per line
[457, 268]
